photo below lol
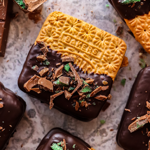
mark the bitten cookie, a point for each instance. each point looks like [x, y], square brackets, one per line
[58, 139]
[134, 129]
[12, 108]
[94, 50]
[137, 17]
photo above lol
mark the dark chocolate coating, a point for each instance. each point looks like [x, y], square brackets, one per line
[10, 114]
[57, 135]
[60, 103]
[5, 17]
[128, 12]
[140, 93]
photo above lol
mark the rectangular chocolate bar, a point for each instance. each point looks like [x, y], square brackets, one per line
[5, 17]
[135, 138]
[44, 79]
[12, 108]
[136, 15]
[58, 139]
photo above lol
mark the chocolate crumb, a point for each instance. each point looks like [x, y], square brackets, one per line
[119, 30]
[127, 110]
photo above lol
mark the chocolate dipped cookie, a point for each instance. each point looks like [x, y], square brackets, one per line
[136, 14]
[5, 17]
[58, 139]
[12, 108]
[72, 66]
[134, 129]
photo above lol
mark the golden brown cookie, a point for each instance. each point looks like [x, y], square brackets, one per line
[94, 50]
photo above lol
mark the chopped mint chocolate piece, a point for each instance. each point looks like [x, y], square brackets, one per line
[80, 101]
[102, 121]
[85, 82]
[46, 62]
[58, 83]
[71, 88]
[74, 145]
[86, 89]
[67, 67]
[123, 82]
[21, 3]
[130, 1]
[142, 63]
[56, 147]
[94, 103]
[88, 95]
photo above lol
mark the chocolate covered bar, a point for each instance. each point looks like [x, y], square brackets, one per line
[12, 108]
[72, 66]
[136, 15]
[5, 17]
[29, 5]
[58, 139]
[133, 133]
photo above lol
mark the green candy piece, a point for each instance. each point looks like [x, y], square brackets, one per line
[86, 89]
[71, 88]
[130, 1]
[56, 147]
[67, 67]
[21, 3]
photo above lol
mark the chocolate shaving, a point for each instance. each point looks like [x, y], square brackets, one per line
[148, 104]
[37, 90]
[104, 88]
[148, 134]
[138, 123]
[35, 68]
[53, 97]
[41, 58]
[63, 144]
[127, 110]
[31, 83]
[97, 90]
[101, 97]
[109, 97]
[104, 82]
[90, 81]
[43, 72]
[0, 99]
[149, 145]
[1, 105]
[1, 128]
[64, 80]
[70, 74]
[46, 84]
[77, 106]
[67, 95]
[77, 78]
[84, 103]
[67, 59]
[148, 112]
[58, 72]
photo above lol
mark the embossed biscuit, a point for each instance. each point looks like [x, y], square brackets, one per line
[137, 17]
[94, 50]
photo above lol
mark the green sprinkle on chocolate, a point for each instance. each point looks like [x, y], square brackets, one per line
[21, 3]
[123, 82]
[86, 89]
[84, 82]
[102, 121]
[74, 145]
[71, 88]
[130, 1]
[46, 62]
[67, 67]
[56, 147]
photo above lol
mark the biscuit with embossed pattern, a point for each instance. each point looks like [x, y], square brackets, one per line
[94, 50]
[140, 27]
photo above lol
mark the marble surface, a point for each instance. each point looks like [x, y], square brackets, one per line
[38, 119]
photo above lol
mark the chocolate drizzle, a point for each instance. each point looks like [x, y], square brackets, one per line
[61, 103]
[57, 135]
[10, 114]
[128, 11]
